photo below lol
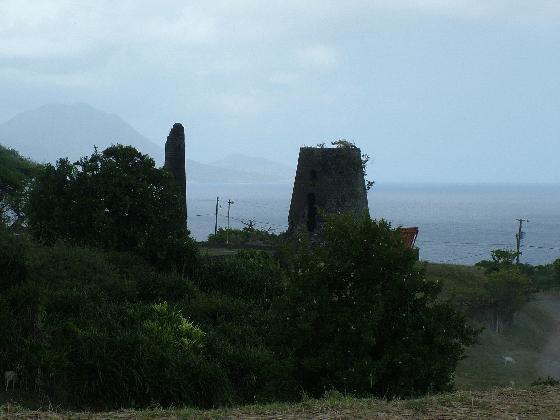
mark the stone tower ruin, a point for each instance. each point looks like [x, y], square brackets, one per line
[175, 160]
[328, 180]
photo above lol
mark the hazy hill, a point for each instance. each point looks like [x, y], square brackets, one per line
[200, 172]
[238, 162]
[53, 131]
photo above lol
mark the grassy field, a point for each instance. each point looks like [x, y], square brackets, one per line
[527, 340]
[507, 403]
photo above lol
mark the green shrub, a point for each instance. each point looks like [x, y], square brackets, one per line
[99, 338]
[114, 200]
[350, 312]
[508, 290]
[234, 309]
[246, 236]
[359, 316]
[249, 275]
[548, 381]
[15, 174]
[12, 260]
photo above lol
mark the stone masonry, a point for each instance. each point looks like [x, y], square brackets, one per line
[175, 160]
[328, 180]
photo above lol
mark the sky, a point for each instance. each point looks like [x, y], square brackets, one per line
[433, 90]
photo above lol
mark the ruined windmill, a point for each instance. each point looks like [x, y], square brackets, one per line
[328, 180]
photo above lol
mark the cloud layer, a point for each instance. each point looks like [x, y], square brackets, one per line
[425, 74]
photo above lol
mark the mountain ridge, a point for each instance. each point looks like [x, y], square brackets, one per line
[52, 131]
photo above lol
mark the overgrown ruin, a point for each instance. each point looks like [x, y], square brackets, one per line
[175, 161]
[328, 180]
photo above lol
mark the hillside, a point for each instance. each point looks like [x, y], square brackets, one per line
[532, 339]
[53, 131]
[506, 403]
[239, 162]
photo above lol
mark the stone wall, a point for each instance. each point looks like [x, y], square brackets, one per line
[328, 180]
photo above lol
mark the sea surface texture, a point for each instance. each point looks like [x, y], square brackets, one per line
[458, 224]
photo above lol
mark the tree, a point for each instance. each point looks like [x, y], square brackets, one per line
[506, 287]
[246, 236]
[114, 200]
[12, 259]
[508, 290]
[15, 173]
[501, 259]
[360, 316]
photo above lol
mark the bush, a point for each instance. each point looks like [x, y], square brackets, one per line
[508, 290]
[80, 321]
[348, 312]
[359, 316]
[12, 260]
[246, 236]
[250, 275]
[114, 200]
[15, 174]
[548, 381]
[234, 309]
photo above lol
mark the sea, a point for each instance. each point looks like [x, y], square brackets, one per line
[458, 223]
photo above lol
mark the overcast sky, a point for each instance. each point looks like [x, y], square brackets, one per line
[433, 90]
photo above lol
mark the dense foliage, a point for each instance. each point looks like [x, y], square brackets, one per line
[81, 330]
[248, 236]
[116, 199]
[360, 317]
[506, 288]
[235, 311]
[352, 313]
[104, 302]
[15, 173]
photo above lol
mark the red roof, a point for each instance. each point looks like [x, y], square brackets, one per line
[409, 235]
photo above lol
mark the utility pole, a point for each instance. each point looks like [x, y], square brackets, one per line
[229, 203]
[518, 237]
[216, 223]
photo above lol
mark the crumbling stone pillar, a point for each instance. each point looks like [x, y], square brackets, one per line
[175, 161]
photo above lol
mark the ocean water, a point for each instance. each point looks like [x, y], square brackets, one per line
[457, 223]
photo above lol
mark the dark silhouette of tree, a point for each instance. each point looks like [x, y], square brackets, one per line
[117, 200]
[359, 315]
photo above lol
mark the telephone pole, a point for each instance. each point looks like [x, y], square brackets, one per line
[229, 203]
[216, 223]
[518, 237]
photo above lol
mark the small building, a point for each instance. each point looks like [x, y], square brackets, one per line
[409, 235]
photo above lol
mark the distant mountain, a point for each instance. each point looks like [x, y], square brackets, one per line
[52, 131]
[200, 172]
[238, 162]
